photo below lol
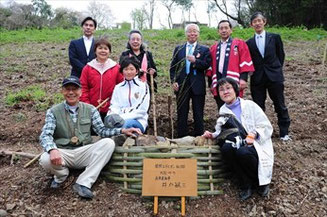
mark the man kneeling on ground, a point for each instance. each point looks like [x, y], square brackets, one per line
[67, 142]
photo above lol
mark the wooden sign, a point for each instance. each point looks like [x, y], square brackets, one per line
[169, 177]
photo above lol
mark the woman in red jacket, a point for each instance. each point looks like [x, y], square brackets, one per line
[99, 77]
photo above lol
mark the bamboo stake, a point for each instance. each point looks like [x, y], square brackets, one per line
[210, 169]
[33, 160]
[102, 103]
[171, 122]
[153, 102]
[23, 154]
[125, 168]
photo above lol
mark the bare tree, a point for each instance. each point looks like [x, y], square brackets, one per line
[101, 13]
[239, 7]
[152, 4]
[169, 4]
[211, 8]
[19, 16]
[66, 18]
[139, 17]
[186, 5]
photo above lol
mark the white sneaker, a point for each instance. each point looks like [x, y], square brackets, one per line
[286, 138]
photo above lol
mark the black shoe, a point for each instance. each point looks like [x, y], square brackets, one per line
[54, 184]
[246, 194]
[263, 190]
[83, 191]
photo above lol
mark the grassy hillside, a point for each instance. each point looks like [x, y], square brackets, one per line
[63, 35]
[50, 53]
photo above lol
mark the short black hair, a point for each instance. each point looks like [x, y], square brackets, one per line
[257, 14]
[125, 61]
[228, 80]
[89, 18]
[225, 21]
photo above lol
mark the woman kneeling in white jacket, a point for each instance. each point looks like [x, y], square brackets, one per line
[250, 158]
[131, 98]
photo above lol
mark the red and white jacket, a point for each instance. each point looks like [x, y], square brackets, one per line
[98, 82]
[237, 60]
[131, 100]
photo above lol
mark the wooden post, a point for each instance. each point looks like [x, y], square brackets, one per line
[155, 205]
[324, 57]
[183, 206]
[153, 102]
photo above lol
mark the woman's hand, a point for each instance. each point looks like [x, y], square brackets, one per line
[250, 138]
[207, 135]
[151, 71]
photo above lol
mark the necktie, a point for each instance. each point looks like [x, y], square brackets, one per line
[261, 46]
[188, 63]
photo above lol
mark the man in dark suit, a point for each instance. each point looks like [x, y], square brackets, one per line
[268, 58]
[187, 73]
[81, 51]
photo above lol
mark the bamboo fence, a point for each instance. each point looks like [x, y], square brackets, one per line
[126, 165]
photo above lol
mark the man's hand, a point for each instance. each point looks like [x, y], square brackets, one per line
[207, 135]
[191, 58]
[131, 131]
[243, 84]
[55, 157]
[175, 86]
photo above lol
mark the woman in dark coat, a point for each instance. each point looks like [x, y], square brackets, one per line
[135, 47]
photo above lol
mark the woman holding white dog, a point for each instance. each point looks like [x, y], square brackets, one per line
[249, 154]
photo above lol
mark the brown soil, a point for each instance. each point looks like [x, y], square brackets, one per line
[298, 188]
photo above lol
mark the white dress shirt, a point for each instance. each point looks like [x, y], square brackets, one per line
[223, 47]
[88, 43]
[260, 40]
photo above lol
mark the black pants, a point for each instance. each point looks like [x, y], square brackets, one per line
[243, 162]
[183, 107]
[276, 94]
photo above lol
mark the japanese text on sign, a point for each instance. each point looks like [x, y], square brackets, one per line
[169, 177]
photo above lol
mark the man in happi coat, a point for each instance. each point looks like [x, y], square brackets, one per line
[230, 58]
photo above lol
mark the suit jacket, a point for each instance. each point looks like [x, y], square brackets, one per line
[272, 63]
[78, 57]
[178, 68]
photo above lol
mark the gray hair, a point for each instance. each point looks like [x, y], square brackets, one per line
[256, 15]
[192, 24]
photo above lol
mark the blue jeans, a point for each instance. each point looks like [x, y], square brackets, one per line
[129, 123]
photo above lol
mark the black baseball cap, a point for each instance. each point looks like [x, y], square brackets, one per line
[71, 80]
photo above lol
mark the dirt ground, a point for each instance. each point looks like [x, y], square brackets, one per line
[299, 184]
